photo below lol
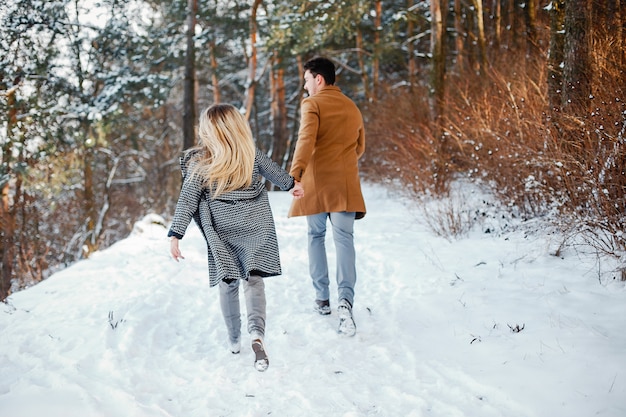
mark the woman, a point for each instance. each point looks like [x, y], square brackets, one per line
[224, 192]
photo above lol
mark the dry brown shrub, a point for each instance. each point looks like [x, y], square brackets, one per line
[402, 149]
[499, 131]
[544, 162]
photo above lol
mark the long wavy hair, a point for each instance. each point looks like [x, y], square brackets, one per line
[226, 162]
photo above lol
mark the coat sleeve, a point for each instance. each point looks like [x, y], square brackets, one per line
[187, 205]
[274, 173]
[307, 137]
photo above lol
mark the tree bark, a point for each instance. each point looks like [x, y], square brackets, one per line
[376, 58]
[252, 64]
[217, 97]
[497, 23]
[278, 112]
[412, 66]
[437, 46]
[530, 17]
[480, 34]
[293, 134]
[189, 99]
[362, 67]
[577, 70]
[460, 34]
[7, 221]
[7, 213]
[438, 53]
[515, 24]
[555, 57]
[89, 203]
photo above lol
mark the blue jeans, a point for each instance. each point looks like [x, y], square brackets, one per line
[343, 236]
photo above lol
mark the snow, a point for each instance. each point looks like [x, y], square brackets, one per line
[490, 324]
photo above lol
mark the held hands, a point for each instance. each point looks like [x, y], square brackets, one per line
[297, 191]
[174, 249]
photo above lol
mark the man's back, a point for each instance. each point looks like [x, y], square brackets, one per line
[330, 142]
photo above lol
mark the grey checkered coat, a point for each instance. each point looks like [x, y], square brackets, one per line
[238, 226]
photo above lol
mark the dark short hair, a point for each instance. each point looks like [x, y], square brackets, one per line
[322, 66]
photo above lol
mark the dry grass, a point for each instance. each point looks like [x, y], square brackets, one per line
[499, 130]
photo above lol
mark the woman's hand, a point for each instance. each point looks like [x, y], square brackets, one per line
[297, 191]
[174, 249]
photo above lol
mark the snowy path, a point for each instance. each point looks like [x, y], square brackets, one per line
[130, 332]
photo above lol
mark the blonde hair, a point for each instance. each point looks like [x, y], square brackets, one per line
[227, 162]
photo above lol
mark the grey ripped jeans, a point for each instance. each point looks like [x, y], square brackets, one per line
[254, 293]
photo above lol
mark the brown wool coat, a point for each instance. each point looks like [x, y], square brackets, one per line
[331, 140]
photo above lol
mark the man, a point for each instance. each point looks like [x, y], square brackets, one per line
[331, 140]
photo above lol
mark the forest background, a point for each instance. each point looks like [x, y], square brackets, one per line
[523, 98]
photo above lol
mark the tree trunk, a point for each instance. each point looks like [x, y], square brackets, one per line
[530, 17]
[507, 20]
[252, 65]
[555, 57]
[515, 23]
[278, 112]
[377, 50]
[437, 46]
[217, 97]
[293, 135]
[577, 71]
[437, 8]
[497, 23]
[480, 34]
[360, 56]
[7, 214]
[7, 221]
[460, 34]
[189, 100]
[412, 66]
[89, 203]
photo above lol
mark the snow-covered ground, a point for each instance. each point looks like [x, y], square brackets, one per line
[487, 325]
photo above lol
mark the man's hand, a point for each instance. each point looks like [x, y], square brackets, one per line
[297, 191]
